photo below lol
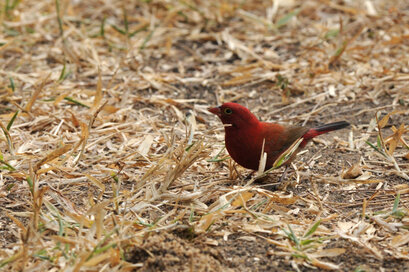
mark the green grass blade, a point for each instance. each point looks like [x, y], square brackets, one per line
[75, 102]
[291, 235]
[286, 155]
[376, 149]
[12, 120]
[12, 85]
[8, 166]
[332, 33]
[60, 27]
[312, 229]
[396, 203]
[285, 19]
[147, 39]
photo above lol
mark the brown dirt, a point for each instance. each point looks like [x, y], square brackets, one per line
[165, 251]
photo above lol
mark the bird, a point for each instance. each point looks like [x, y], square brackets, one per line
[245, 136]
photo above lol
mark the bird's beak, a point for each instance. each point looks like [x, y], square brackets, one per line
[216, 111]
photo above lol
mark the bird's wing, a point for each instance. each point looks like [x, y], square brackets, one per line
[280, 138]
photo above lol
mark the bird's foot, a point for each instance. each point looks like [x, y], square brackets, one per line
[281, 185]
[284, 174]
[271, 186]
[248, 177]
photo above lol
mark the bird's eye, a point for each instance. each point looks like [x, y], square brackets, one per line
[228, 111]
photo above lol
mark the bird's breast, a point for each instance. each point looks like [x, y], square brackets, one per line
[244, 146]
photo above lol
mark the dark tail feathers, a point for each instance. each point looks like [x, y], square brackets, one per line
[324, 129]
[331, 126]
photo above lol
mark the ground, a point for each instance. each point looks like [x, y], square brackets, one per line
[110, 160]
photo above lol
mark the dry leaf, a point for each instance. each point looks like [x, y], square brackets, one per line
[211, 242]
[329, 252]
[52, 155]
[248, 238]
[145, 146]
[255, 228]
[324, 265]
[353, 172]
[241, 199]
[400, 240]
[365, 176]
[110, 109]
[206, 221]
[97, 259]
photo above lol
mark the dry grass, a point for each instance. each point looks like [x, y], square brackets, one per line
[109, 158]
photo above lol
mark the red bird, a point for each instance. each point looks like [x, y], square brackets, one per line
[244, 135]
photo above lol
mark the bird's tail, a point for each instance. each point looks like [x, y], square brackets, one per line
[324, 129]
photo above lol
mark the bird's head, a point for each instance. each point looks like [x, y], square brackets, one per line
[235, 115]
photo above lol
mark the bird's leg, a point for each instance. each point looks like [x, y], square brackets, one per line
[280, 180]
[282, 185]
[248, 177]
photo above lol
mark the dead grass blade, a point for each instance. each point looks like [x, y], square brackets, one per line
[8, 138]
[393, 141]
[36, 93]
[85, 132]
[52, 155]
[188, 155]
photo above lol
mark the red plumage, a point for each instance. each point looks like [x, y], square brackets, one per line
[244, 135]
